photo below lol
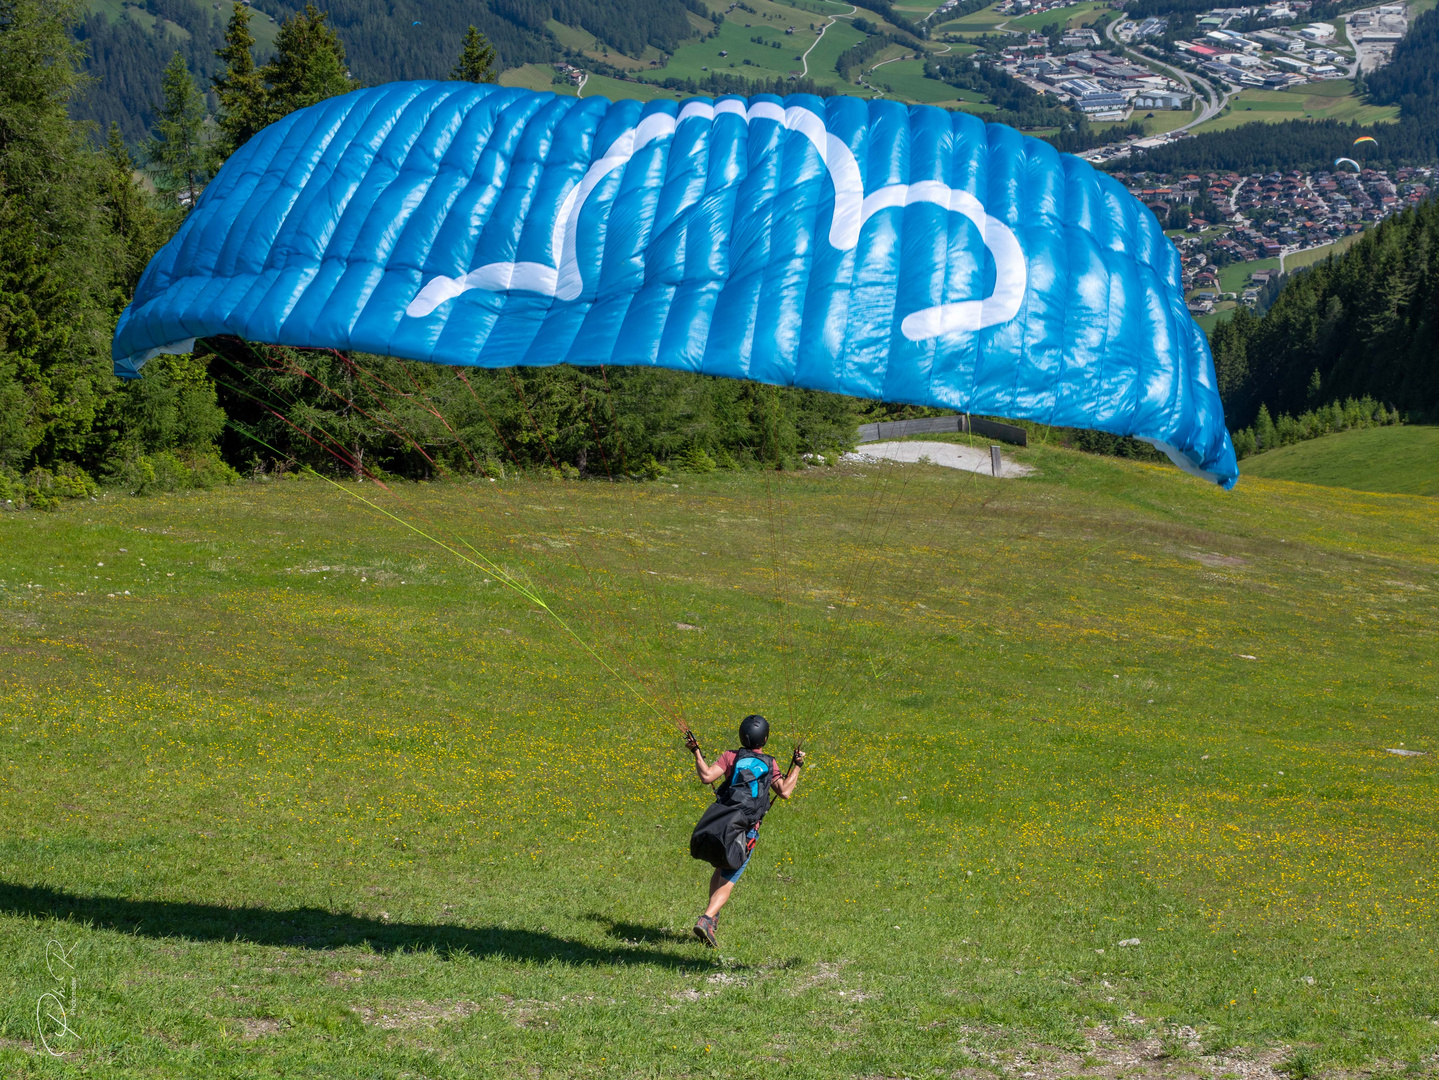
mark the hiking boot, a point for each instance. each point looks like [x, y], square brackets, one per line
[705, 930]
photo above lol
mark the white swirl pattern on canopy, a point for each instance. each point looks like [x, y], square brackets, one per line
[852, 208]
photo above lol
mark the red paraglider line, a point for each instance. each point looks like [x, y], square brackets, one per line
[341, 397]
[520, 393]
[427, 405]
[342, 455]
[615, 420]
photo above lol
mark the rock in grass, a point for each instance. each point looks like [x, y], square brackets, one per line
[1405, 753]
[1127, 942]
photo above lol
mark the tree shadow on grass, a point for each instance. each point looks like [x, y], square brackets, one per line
[315, 928]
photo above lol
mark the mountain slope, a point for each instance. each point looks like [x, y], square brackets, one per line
[1403, 460]
[129, 43]
[128, 46]
[1365, 323]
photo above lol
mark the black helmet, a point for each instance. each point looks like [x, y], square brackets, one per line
[753, 731]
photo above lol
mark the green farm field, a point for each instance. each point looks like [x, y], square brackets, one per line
[582, 41]
[1235, 277]
[1100, 781]
[541, 77]
[1310, 256]
[1396, 459]
[976, 22]
[1163, 120]
[690, 59]
[1071, 17]
[906, 79]
[1333, 100]
[1223, 310]
[822, 31]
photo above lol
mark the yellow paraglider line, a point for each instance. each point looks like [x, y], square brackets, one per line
[485, 564]
[503, 578]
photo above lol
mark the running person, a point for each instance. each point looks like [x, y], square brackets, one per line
[753, 734]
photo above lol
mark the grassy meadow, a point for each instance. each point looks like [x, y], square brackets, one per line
[541, 77]
[1101, 784]
[1235, 277]
[1403, 460]
[1072, 17]
[1331, 100]
[981, 21]
[906, 79]
[1156, 122]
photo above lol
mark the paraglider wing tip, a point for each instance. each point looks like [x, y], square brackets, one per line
[128, 367]
[1225, 479]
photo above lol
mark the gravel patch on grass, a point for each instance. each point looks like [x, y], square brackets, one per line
[950, 455]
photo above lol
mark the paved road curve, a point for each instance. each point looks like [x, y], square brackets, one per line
[1202, 89]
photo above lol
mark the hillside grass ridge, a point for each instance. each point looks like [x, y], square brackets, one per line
[304, 794]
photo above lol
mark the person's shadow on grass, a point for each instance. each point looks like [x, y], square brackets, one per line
[314, 928]
[632, 934]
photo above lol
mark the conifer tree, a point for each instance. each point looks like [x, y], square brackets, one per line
[241, 90]
[55, 256]
[177, 151]
[75, 231]
[1264, 431]
[477, 59]
[309, 64]
[134, 218]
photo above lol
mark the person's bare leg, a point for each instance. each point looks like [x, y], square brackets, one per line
[719, 894]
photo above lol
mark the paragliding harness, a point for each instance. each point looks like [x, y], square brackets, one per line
[741, 800]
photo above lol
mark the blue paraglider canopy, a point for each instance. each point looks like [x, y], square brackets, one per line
[1344, 160]
[860, 247]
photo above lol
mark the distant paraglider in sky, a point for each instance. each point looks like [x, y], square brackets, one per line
[1346, 161]
[868, 248]
[1369, 139]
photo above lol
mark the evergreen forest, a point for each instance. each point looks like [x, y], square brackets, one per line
[79, 223]
[82, 211]
[128, 43]
[1363, 324]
